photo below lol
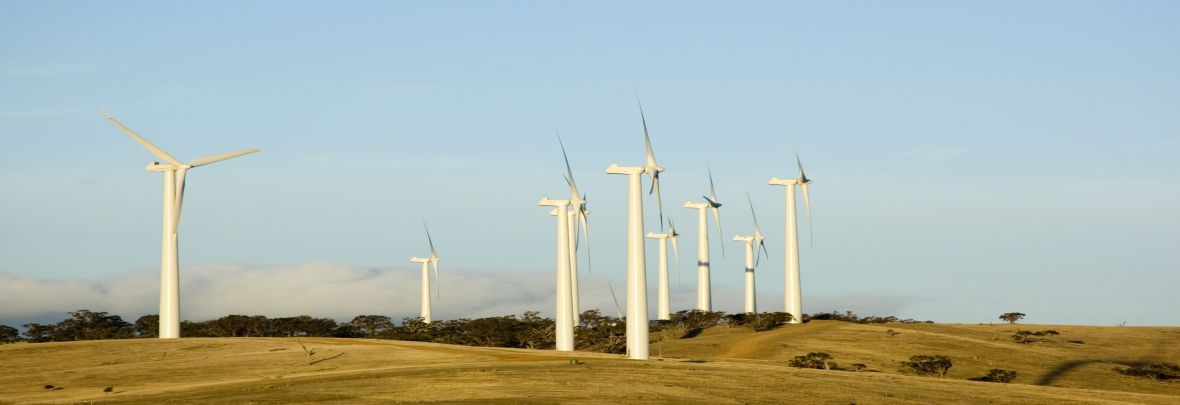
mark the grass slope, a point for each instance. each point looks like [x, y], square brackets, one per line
[739, 367]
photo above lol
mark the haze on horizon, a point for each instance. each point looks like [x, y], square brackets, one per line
[968, 159]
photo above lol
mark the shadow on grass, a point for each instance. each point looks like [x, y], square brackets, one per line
[691, 333]
[1066, 367]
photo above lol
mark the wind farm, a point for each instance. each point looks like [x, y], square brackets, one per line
[995, 221]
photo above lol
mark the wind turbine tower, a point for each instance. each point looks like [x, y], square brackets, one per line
[663, 300]
[704, 278]
[751, 306]
[564, 323]
[427, 262]
[174, 174]
[794, 293]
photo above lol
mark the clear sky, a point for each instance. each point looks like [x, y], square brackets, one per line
[969, 159]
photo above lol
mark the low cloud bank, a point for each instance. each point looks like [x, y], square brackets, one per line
[321, 289]
[342, 291]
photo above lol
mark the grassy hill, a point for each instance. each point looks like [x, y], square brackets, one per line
[720, 365]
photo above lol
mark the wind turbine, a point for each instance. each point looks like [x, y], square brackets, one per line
[427, 262]
[577, 216]
[751, 306]
[564, 324]
[174, 174]
[637, 323]
[664, 301]
[794, 293]
[704, 279]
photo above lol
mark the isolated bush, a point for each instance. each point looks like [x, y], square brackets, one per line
[1023, 336]
[1012, 317]
[820, 360]
[928, 365]
[998, 375]
[1159, 371]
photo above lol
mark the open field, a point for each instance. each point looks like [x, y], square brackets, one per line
[720, 365]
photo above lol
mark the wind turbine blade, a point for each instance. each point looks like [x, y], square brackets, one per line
[807, 203]
[618, 309]
[221, 156]
[437, 283]
[712, 191]
[659, 200]
[586, 233]
[569, 173]
[757, 229]
[180, 174]
[433, 253]
[651, 156]
[802, 176]
[717, 219]
[676, 254]
[143, 142]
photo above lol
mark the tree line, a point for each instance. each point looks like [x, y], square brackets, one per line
[596, 331]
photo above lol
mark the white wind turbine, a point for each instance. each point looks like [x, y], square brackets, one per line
[663, 299]
[794, 293]
[577, 216]
[704, 279]
[751, 306]
[563, 321]
[638, 347]
[428, 262]
[174, 174]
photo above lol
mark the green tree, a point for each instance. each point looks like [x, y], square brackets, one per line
[818, 360]
[147, 326]
[372, 325]
[85, 324]
[1012, 317]
[36, 332]
[9, 334]
[928, 365]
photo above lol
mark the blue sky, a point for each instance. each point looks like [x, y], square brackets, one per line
[969, 159]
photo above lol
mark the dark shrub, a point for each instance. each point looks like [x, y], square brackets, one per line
[997, 375]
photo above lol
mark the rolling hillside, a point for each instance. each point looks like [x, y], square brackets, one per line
[720, 365]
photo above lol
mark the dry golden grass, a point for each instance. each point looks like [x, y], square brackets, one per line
[738, 367]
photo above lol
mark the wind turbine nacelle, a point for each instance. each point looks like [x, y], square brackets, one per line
[616, 169]
[417, 259]
[743, 238]
[653, 235]
[553, 203]
[157, 167]
[698, 206]
[775, 181]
